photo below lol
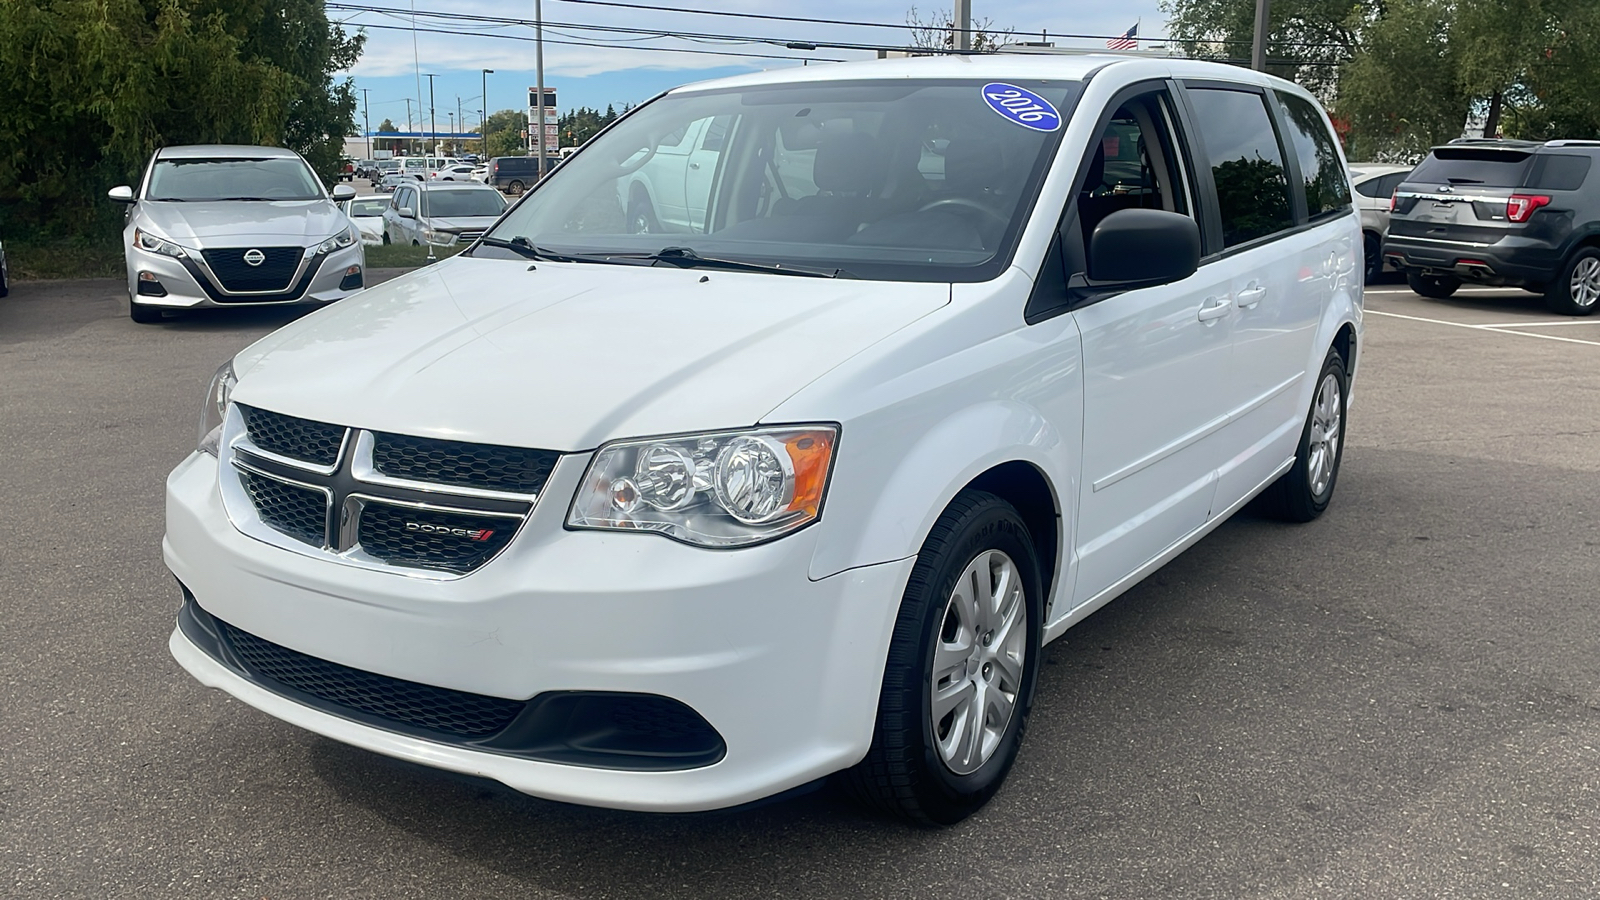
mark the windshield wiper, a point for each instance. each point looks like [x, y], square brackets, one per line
[526, 248]
[687, 258]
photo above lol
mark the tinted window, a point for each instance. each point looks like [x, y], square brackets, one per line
[1246, 163]
[1389, 183]
[1327, 192]
[448, 203]
[1372, 187]
[1473, 165]
[1558, 172]
[199, 180]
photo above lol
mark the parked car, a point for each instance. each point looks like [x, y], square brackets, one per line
[367, 214]
[5, 273]
[456, 172]
[480, 174]
[367, 168]
[221, 225]
[440, 214]
[394, 179]
[1499, 212]
[1374, 184]
[422, 168]
[666, 193]
[513, 174]
[347, 169]
[680, 522]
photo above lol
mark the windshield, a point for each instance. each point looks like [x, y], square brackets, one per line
[449, 204]
[366, 207]
[198, 180]
[912, 180]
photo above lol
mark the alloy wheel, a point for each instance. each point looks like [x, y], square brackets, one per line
[1585, 284]
[1327, 420]
[978, 662]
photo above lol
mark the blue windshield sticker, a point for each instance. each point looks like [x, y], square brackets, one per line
[1021, 106]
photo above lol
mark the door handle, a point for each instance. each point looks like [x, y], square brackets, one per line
[1250, 296]
[1215, 307]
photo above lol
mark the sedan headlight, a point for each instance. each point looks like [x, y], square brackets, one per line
[727, 489]
[439, 237]
[215, 408]
[146, 241]
[339, 241]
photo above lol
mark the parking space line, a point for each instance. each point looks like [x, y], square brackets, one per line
[1541, 323]
[1487, 328]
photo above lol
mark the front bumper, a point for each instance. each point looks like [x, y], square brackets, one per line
[785, 669]
[188, 284]
[1512, 260]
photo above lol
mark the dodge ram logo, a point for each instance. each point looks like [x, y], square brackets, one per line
[471, 534]
[254, 257]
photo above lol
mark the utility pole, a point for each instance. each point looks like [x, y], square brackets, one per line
[538, 65]
[433, 118]
[1258, 50]
[408, 125]
[366, 120]
[450, 144]
[963, 24]
[463, 122]
[484, 112]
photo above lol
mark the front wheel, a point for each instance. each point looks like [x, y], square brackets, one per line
[960, 674]
[1577, 291]
[1303, 493]
[1434, 287]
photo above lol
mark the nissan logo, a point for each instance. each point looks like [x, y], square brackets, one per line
[254, 257]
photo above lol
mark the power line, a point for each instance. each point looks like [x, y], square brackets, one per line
[518, 37]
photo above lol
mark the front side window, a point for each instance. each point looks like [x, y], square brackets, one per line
[915, 180]
[1135, 165]
[205, 180]
[1246, 163]
[1326, 190]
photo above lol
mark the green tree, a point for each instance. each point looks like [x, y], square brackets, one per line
[92, 87]
[505, 130]
[1308, 41]
[387, 125]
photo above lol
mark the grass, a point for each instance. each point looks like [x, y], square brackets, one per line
[404, 256]
[78, 258]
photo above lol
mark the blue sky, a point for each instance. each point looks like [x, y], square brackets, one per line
[597, 76]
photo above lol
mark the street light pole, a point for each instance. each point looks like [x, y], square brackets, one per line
[1258, 49]
[484, 112]
[538, 64]
[433, 118]
[366, 120]
[463, 122]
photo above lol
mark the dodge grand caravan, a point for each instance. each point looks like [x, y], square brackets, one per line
[951, 353]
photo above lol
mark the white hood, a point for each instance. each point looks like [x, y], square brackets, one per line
[237, 222]
[568, 356]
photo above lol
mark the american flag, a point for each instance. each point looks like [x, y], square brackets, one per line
[1129, 41]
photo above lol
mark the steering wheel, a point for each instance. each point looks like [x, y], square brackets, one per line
[966, 203]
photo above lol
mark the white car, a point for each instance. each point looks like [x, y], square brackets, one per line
[440, 214]
[367, 214]
[802, 488]
[455, 172]
[1374, 184]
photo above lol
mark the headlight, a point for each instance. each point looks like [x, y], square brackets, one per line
[439, 237]
[144, 240]
[713, 490]
[215, 408]
[339, 241]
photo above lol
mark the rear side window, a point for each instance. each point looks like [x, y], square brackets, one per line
[1558, 172]
[1327, 191]
[1246, 163]
[1473, 165]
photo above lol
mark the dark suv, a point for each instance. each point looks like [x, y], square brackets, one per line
[1498, 212]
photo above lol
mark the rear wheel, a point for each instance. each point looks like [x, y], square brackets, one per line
[1306, 489]
[960, 674]
[1435, 287]
[1373, 249]
[1577, 291]
[642, 214]
[515, 188]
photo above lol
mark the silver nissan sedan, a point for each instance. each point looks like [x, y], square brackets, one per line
[222, 225]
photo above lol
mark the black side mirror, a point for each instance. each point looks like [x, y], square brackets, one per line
[1143, 247]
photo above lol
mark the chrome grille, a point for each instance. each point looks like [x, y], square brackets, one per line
[296, 438]
[376, 499]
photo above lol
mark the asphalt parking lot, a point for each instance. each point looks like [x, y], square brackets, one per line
[1401, 699]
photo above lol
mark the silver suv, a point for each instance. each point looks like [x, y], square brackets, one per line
[226, 225]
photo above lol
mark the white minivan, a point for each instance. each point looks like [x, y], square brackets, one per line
[949, 353]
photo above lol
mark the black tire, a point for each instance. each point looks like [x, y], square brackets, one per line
[903, 773]
[5, 276]
[642, 214]
[143, 314]
[515, 188]
[1293, 497]
[1373, 249]
[1560, 296]
[1434, 287]
[386, 236]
